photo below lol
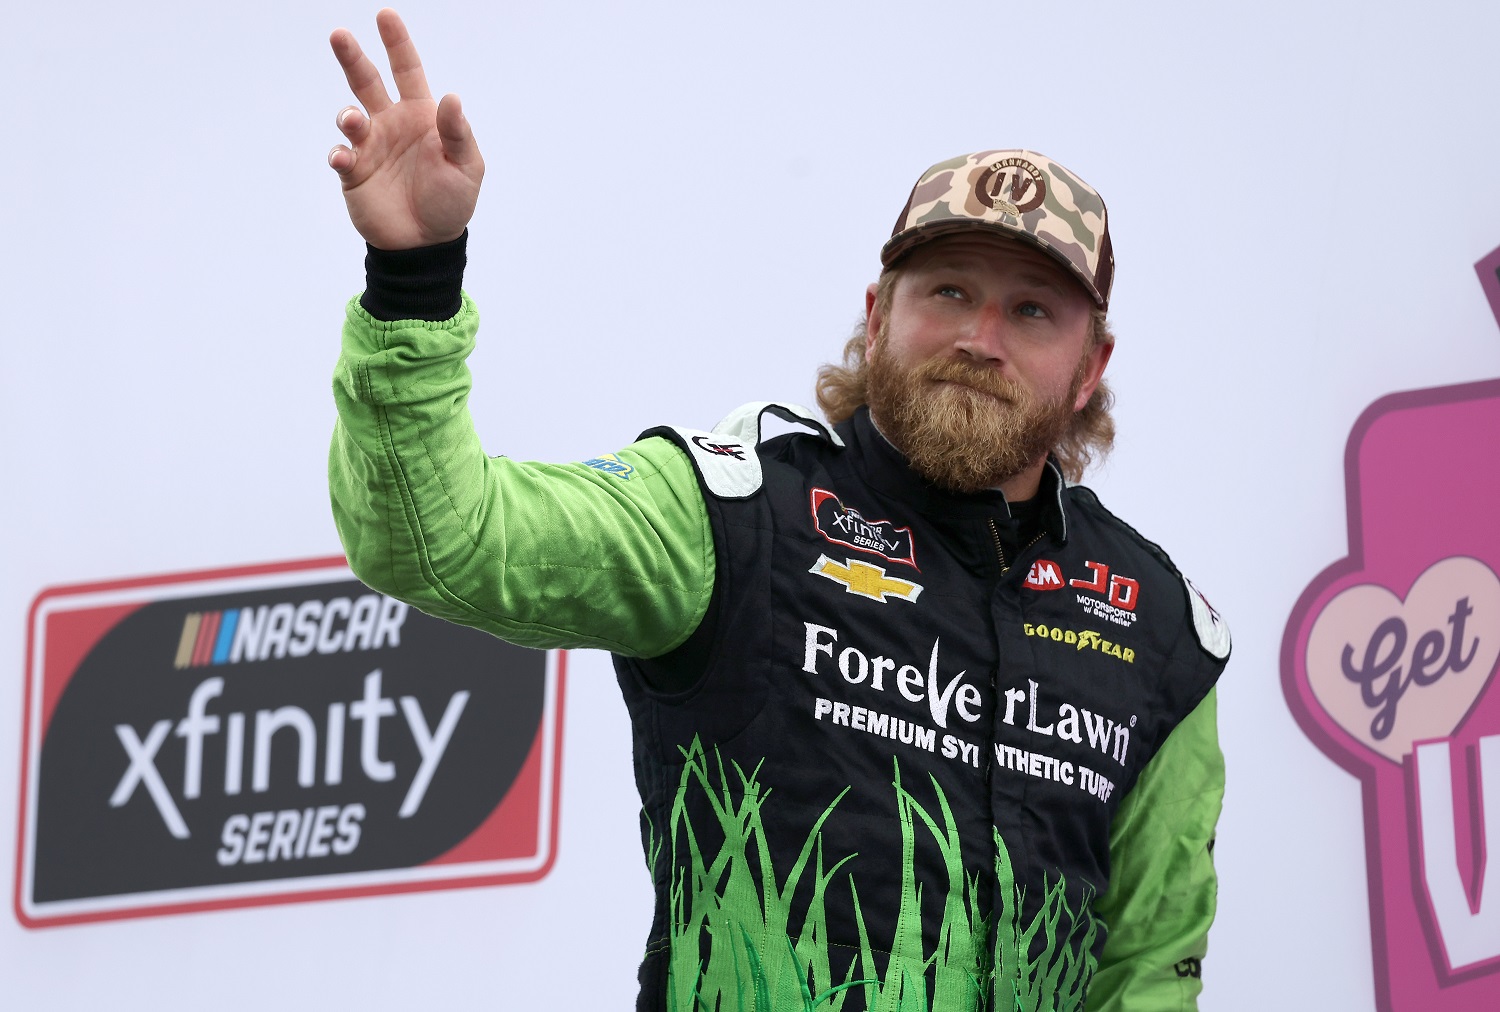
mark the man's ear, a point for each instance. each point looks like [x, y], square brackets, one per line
[1097, 359]
[872, 318]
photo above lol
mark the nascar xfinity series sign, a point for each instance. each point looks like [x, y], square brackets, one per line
[270, 734]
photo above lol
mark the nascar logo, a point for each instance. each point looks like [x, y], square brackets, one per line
[275, 631]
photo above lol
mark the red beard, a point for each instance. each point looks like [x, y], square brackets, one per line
[965, 427]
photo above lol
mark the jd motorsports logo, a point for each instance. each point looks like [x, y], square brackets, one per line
[1389, 664]
[278, 732]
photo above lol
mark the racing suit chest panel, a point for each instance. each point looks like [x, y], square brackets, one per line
[883, 699]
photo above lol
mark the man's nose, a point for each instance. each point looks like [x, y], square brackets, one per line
[984, 335]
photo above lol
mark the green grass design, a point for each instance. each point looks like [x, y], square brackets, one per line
[1057, 980]
[753, 964]
[961, 961]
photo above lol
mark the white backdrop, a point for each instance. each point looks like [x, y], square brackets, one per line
[683, 205]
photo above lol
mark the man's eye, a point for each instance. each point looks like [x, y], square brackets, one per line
[951, 291]
[1031, 309]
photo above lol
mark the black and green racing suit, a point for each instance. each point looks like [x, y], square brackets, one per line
[888, 758]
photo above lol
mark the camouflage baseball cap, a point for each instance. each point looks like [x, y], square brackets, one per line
[1020, 194]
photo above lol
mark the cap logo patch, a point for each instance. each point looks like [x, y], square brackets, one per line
[1012, 185]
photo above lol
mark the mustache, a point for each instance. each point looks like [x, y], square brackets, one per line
[986, 381]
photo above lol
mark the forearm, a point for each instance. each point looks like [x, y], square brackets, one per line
[1163, 889]
[540, 554]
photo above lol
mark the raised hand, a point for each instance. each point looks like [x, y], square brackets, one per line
[411, 170]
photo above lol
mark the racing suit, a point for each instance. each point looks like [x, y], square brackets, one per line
[883, 763]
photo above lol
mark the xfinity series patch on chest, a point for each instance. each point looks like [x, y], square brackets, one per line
[249, 736]
[843, 525]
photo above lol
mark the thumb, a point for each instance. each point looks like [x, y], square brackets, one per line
[457, 136]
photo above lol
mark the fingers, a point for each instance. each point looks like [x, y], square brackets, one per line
[362, 75]
[406, 66]
[354, 125]
[456, 134]
[341, 159]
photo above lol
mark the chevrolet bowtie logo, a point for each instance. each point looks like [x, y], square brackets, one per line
[865, 580]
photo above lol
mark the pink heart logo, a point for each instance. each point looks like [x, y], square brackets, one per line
[1393, 672]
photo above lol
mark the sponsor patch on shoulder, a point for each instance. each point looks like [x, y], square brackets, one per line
[843, 525]
[611, 464]
[865, 579]
[730, 467]
[1212, 630]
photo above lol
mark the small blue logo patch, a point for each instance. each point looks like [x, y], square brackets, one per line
[610, 464]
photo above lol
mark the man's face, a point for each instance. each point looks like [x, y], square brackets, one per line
[984, 355]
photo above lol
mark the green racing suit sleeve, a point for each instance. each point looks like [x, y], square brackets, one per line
[543, 555]
[1163, 889]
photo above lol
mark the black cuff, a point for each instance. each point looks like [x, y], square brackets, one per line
[415, 284]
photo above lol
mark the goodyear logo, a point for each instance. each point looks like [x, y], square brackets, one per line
[611, 464]
[1087, 639]
[865, 580]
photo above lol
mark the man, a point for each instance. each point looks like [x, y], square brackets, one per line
[917, 724]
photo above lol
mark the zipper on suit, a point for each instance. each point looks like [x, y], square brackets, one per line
[999, 547]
